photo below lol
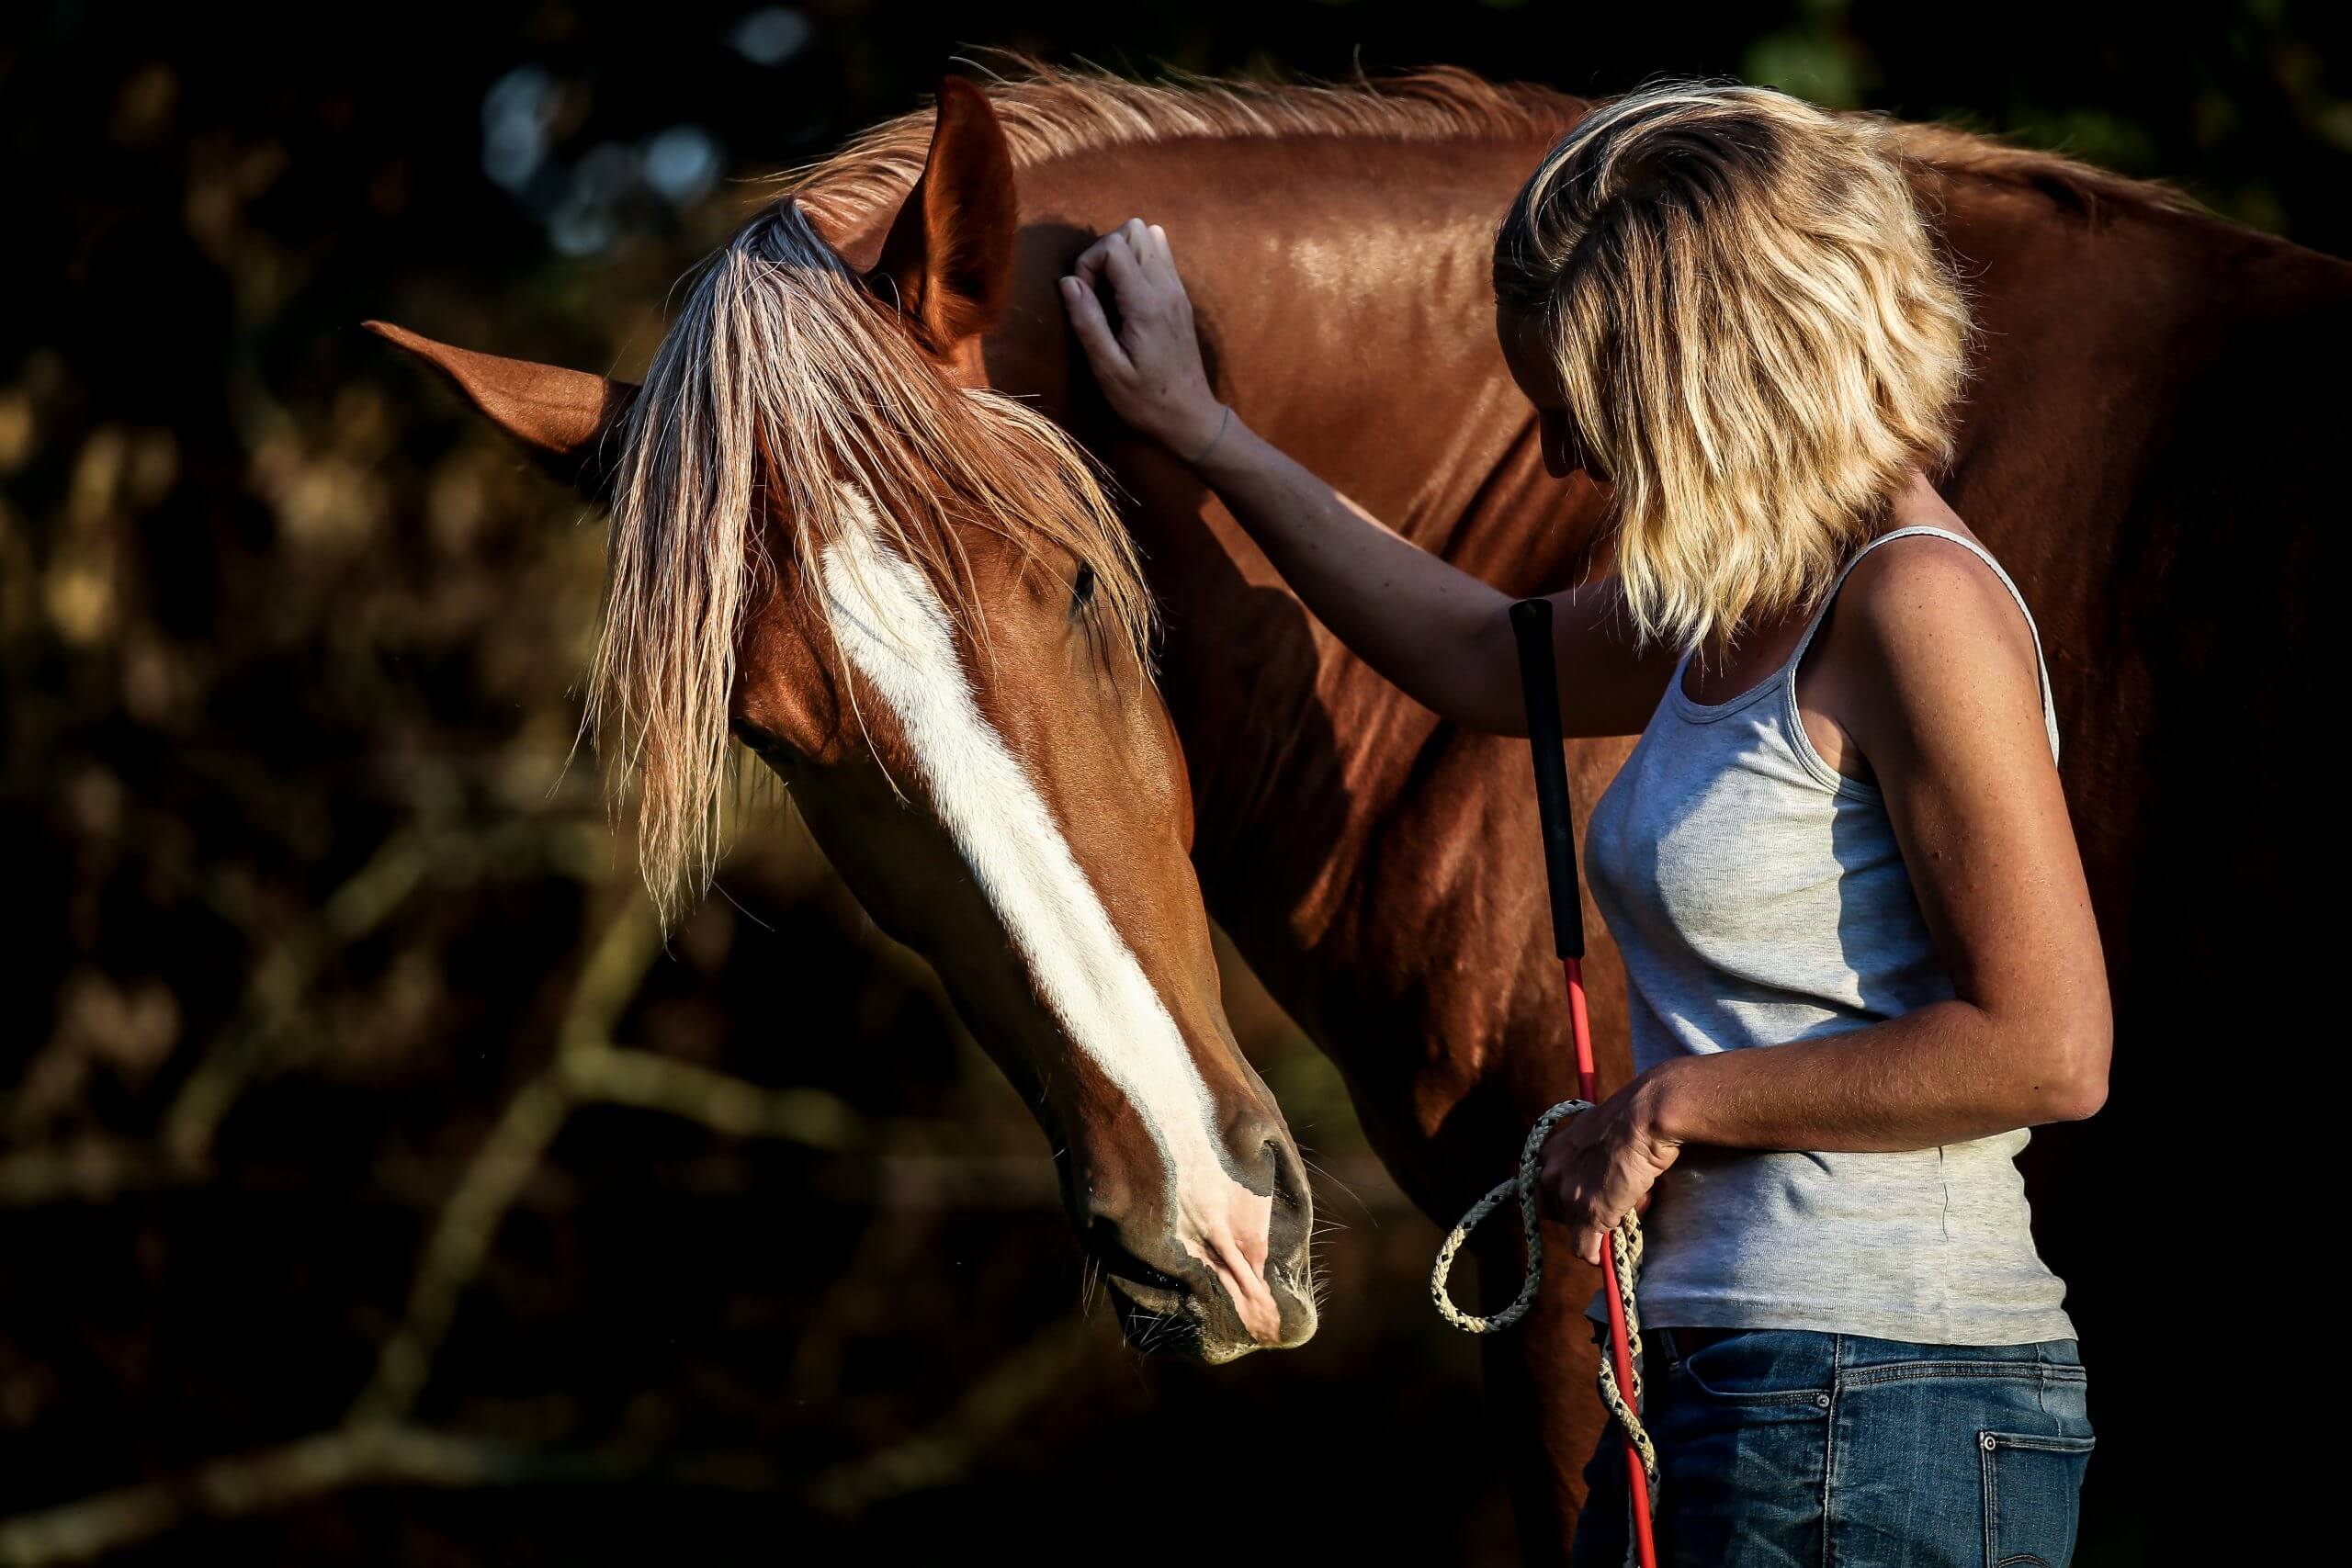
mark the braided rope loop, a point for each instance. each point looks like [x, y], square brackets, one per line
[1625, 1244]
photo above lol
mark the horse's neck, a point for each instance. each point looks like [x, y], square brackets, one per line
[1346, 839]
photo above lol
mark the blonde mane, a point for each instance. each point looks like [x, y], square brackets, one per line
[781, 392]
[1051, 112]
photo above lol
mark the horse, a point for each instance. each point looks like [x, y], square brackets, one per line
[963, 705]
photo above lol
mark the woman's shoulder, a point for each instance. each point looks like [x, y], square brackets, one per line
[1925, 611]
[1930, 583]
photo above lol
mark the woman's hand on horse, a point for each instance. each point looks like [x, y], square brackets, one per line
[1600, 1167]
[1150, 367]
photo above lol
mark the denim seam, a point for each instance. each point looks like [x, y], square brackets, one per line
[1985, 1455]
[1829, 1454]
[2037, 1442]
[1990, 1371]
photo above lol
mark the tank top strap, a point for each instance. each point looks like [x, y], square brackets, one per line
[2041, 663]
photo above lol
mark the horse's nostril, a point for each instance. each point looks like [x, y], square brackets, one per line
[1260, 1148]
[1287, 1173]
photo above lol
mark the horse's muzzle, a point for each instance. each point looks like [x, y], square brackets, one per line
[1214, 1290]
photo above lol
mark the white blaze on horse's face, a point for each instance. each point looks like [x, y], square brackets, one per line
[898, 637]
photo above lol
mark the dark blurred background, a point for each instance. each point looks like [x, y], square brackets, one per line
[302, 1255]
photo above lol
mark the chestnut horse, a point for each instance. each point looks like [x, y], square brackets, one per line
[978, 749]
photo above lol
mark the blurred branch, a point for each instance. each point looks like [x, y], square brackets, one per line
[470, 1219]
[260, 1039]
[461, 1240]
[588, 1068]
[365, 1451]
[226, 1488]
[945, 1452]
[354, 1454]
[284, 974]
[281, 976]
[91, 1169]
[723, 1103]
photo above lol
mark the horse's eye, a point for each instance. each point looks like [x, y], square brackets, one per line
[1082, 592]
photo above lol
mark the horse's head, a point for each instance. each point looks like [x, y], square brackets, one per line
[832, 544]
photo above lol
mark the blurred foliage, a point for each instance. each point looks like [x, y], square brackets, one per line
[355, 1139]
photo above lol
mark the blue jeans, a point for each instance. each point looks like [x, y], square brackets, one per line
[1779, 1448]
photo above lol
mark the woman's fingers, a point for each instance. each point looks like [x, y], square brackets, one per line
[1137, 234]
[1090, 261]
[1136, 260]
[1583, 1189]
[1093, 328]
[1162, 261]
[1163, 256]
[1150, 366]
[1124, 269]
[1094, 261]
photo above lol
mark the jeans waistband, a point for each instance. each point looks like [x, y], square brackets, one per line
[1666, 1346]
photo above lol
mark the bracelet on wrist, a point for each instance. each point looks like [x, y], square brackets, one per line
[1223, 420]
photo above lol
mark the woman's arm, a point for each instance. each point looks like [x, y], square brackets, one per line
[1932, 676]
[1441, 635]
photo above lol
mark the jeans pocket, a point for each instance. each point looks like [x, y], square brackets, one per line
[1762, 1367]
[2033, 1487]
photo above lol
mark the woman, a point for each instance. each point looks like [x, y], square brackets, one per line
[1858, 947]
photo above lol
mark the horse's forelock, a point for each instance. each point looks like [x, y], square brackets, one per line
[780, 385]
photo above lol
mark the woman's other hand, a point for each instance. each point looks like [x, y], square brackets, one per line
[1150, 368]
[1600, 1167]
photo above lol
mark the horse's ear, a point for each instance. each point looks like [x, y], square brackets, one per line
[564, 418]
[947, 263]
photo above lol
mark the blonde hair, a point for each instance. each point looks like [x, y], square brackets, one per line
[782, 390]
[1754, 336]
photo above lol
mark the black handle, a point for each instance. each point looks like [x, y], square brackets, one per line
[1539, 683]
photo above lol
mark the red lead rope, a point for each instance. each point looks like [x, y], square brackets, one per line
[1621, 1349]
[1531, 621]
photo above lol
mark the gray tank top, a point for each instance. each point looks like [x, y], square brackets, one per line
[1759, 896]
